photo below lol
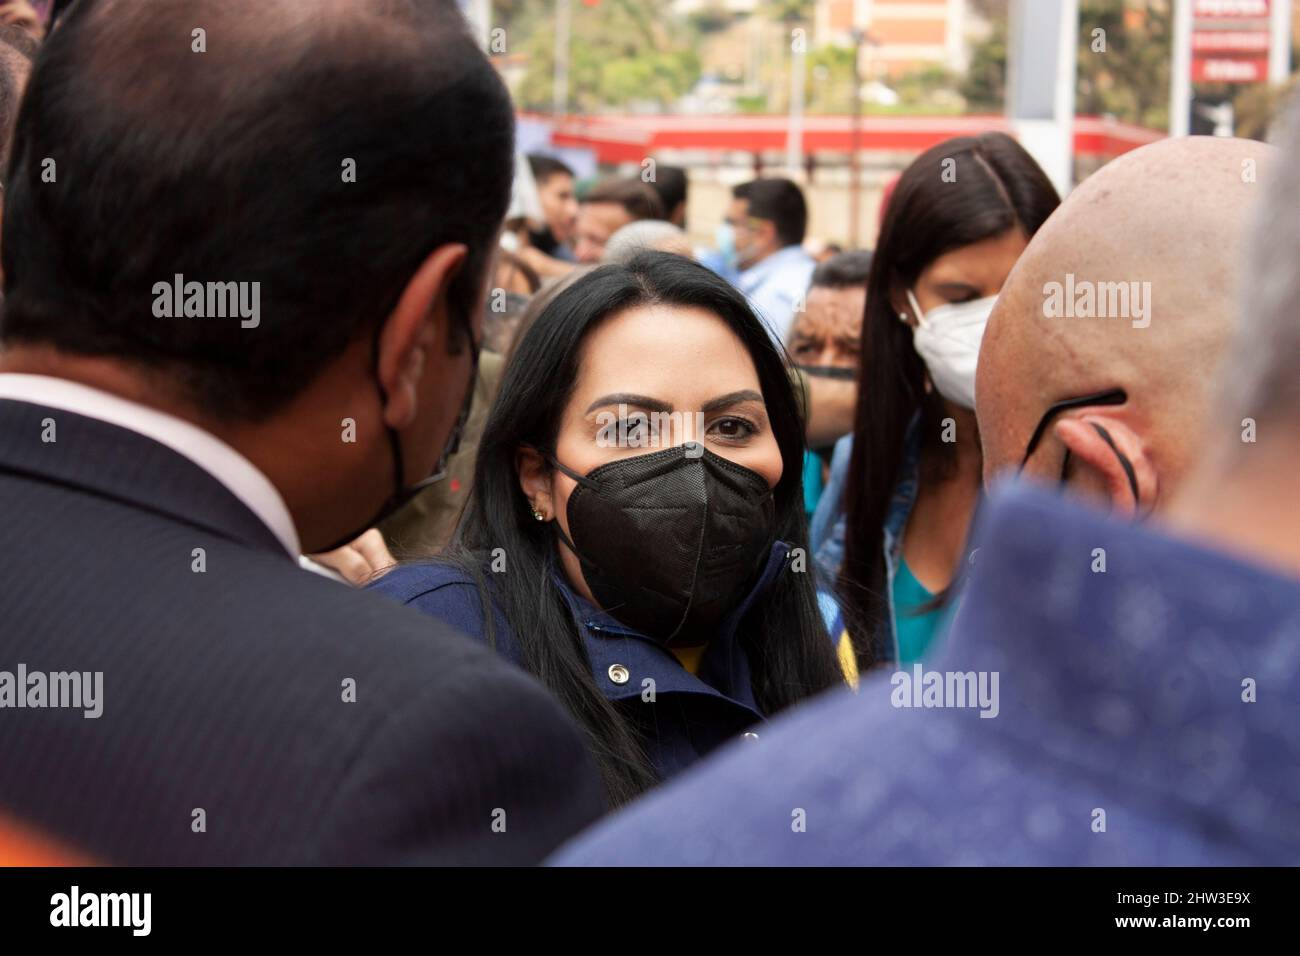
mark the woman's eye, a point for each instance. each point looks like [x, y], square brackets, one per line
[634, 428]
[732, 429]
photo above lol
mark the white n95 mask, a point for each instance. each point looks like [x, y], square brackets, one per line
[948, 340]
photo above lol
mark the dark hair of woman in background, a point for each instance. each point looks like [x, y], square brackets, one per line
[958, 218]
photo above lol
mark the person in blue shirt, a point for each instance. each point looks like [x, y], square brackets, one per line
[760, 246]
[635, 536]
[890, 529]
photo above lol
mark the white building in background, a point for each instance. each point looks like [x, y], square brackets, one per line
[911, 34]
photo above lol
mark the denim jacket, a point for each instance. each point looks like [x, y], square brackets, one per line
[830, 522]
[681, 716]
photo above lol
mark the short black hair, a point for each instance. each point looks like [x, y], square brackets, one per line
[544, 167]
[670, 183]
[637, 198]
[844, 270]
[781, 202]
[17, 50]
[236, 165]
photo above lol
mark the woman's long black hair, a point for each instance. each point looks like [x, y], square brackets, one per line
[790, 655]
[955, 194]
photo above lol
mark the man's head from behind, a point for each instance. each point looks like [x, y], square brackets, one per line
[343, 166]
[608, 207]
[1096, 363]
[671, 184]
[646, 235]
[765, 216]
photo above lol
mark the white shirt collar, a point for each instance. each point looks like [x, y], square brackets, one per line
[239, 475]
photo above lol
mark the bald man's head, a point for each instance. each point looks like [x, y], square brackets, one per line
[1121, 308]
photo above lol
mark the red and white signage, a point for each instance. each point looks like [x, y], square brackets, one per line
[1230, 41]
[1230, 9]
[1222, 69]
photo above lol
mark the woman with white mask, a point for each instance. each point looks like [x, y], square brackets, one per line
[890, 530]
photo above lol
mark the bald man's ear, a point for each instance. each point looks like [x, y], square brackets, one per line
[1110, 460]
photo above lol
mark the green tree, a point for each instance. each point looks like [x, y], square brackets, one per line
[506, 11]
[829, 84]
[789, 11]
[985, 84]
[928, 89]
[1123, 70]
[620, 52]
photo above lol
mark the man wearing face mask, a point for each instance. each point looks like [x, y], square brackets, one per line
[760, 244]
[824, 337]
[163, 467]
[824, 342]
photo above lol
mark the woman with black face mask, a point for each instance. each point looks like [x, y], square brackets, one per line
[635, 537]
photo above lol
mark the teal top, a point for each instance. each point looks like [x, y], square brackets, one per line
[916, 632]
[812, 481]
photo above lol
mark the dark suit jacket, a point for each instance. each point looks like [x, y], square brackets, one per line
[225, 737]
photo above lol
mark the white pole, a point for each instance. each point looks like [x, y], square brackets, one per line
[1042, 70]
[794, 134]
[1279, 57]
[479, 15]
[1067, 81]
[1180, 72]
[482, 20]
[560, 94]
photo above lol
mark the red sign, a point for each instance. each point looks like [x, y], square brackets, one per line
[1231, 41]
[1227, 69]
[1230, 9]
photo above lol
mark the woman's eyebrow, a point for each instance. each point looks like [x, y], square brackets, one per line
[627, 398]
[955, 287]
[732, 398]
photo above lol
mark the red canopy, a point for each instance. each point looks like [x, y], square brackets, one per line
[631, 138]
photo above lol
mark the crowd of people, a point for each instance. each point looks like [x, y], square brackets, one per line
[466, 511]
